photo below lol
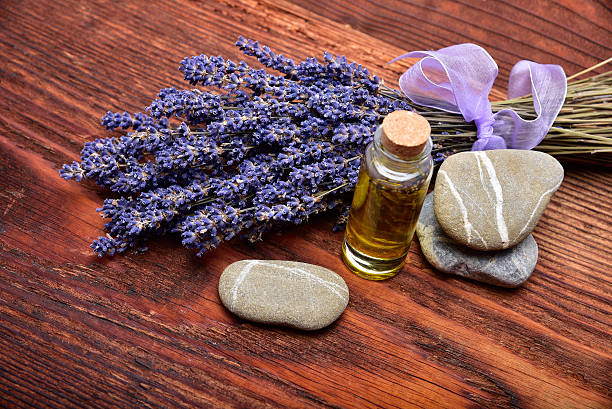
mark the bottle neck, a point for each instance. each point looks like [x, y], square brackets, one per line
[396, 163]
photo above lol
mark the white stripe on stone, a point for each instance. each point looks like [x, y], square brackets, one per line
[240, 279]
[535, 209]
[467, 195]
[331, 286]
[499, 198]
[466, 222]
[482, 177]
[481, 238]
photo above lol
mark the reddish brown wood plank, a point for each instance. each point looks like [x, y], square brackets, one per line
[149, 330]
[575, 37]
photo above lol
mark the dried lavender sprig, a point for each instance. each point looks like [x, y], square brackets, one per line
[267, 57]
[225, 74]
[138, 122]
[194, 105]
[335, 69]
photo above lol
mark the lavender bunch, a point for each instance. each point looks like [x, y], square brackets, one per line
[244, 151]
[240, 153]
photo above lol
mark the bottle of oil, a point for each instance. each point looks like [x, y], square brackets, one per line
[391, 187]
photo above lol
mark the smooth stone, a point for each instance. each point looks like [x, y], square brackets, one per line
[290, 293]
[505, 268]
[492, 200]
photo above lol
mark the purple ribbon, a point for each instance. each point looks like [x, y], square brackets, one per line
[459, 78]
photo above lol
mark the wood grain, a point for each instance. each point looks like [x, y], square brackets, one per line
[148, 330]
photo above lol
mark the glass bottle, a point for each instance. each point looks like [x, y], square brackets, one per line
[393, 180]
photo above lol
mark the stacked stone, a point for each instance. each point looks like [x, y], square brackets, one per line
[477, 223]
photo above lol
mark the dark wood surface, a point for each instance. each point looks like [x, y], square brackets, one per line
[148, 330]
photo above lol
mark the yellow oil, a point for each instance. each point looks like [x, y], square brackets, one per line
[381, 224]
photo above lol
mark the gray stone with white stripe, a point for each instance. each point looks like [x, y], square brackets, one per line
[289, 293]
[492, 200]
[505, 268]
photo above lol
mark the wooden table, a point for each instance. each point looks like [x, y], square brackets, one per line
[148, 330]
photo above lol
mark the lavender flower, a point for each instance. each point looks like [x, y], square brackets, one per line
[140, 122]
[266, 56]
[194, 105]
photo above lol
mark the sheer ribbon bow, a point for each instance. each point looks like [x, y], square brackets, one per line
[459, 78]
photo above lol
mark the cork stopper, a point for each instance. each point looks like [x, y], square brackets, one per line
[405, 133]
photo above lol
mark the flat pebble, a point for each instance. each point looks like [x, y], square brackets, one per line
[289, 293]
[506, 268]
[492, 200]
